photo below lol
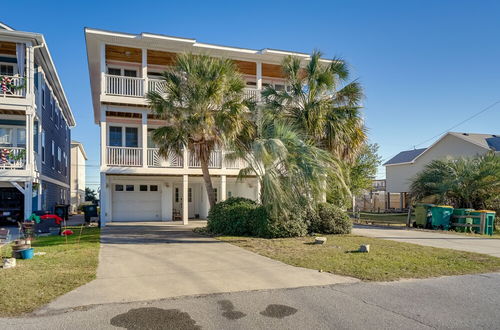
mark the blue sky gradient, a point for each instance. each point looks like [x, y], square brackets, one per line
[424, 65]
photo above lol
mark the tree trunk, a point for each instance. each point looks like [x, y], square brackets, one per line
[206, 177]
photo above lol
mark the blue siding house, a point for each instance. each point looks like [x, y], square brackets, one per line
[35, 123]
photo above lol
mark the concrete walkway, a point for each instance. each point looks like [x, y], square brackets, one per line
[146, 261]
[483, 245]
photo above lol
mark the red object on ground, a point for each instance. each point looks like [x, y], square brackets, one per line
[67, 232]
[52, 216]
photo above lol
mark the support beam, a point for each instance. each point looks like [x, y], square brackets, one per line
[28, 199]
[15, 184]
[223, 196]
[145, 69]
[258, 195]
[259, 79]
[104, 143]
[185, 204]
[103, 198]
[103, 67]
[185, 158]
[144, 129]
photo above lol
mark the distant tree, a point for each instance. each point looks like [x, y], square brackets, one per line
[362, 172]
[464, 182]
[90, 195]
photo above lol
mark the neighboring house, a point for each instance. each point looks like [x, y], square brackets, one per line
[35, 122]
[404, 166]
[78, 159]
[136, 183]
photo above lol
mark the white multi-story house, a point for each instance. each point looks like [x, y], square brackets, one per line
[35, 122]
[78, 163]
[136, 183]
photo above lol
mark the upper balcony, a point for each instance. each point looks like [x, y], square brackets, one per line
[12, 158]
[127, 74]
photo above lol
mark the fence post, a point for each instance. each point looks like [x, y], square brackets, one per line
[483, 223]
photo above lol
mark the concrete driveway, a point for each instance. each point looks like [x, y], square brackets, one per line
[146, 261]
[476, 244]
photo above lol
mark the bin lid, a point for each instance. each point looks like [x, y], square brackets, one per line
[425, 204]
[485, 211]
[444, 206]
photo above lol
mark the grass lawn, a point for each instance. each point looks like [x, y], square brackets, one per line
[33, 283]
[387, 260]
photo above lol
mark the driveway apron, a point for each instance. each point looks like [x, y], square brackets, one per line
[146, 261]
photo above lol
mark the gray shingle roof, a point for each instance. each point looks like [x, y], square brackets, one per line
[405, 156]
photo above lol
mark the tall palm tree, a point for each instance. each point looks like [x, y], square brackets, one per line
[322, 103]
[203, 106]
[464, 182]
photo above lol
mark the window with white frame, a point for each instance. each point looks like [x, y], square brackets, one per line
[43, 146]
[43, 98]
[59, 159]
[53, 158]
[6, 69]
[52, 108]
[116, 71]
[56, 117]
[65, 159]
[12, 136]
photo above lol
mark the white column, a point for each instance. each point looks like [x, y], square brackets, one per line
[185, 155]
[166, 201]
[259, 79]
[30, 69]
[222, 188]
[103, 198]
[29, 142]
[145, 69]
[104, 143]
[39, 193]
[28, 196]
[103, 67]
[144, 139]
[185, 205]
[259, 197]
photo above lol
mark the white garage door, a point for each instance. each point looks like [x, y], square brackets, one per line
[136, 202]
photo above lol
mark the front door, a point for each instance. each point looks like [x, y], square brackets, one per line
[178, 197]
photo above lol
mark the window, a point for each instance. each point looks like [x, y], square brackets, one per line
[43, 98]
[6, 135]
[56, 121]
[65, 158]
[143, 187]
[153, 187]
[190, 195]
[130, 73]
[52, 108]
[215, 193]
[59, 159]
[115, 136]
[114, 71]
[129, 187]
[177, 195]
[151, 143]
[118, 187]
[229, 194]
[43, 146]
[53, 154]
[36, 129]
[131, 137]
[6, 69]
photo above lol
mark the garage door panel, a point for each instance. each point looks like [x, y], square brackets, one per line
[136, 206]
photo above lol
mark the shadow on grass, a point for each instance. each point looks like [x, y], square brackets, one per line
[89, 235]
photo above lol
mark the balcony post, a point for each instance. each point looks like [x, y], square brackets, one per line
[103, 67]
[259, 79]
[185, 156]
[30, 69]
[223, 188]
[29, 143]
[145, 70]
[104, 143]
[144, 139]
[28, 196]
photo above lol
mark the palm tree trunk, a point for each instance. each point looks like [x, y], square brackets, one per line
[206, 177]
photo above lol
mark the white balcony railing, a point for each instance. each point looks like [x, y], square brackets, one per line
[124, 156]
[156, 160]
[252, 94]
[215, 160]
[124, 86]
[156, 85]
[12, 86]
[12, 158]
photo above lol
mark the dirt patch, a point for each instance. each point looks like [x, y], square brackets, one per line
[228, 310]
[154, 318]
[278, 311]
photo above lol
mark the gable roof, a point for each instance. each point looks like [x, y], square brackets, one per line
[79, 145]
[490, 142]
[405, 156]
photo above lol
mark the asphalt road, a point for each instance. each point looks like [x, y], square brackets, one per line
[459, 302]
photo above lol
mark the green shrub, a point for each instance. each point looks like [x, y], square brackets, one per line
[291, 224]
[328, 219]
[236, 216]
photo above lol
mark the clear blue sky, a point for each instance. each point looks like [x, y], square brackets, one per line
[424, 65]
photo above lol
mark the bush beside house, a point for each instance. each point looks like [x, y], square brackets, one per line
[243, 217]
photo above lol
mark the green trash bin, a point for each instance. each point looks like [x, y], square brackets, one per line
[423, 215]
[462, 212]
[441, 216]
[488, 226]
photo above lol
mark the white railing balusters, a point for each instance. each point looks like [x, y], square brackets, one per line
[124, 156]
[12, 86]
[124, 86]
[12, 158]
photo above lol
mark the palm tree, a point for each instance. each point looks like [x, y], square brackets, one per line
[289, 166]
[203, 106]
[320, 102]
[464, 182]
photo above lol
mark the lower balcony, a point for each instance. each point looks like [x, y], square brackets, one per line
[132, 157]
[12, 158]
